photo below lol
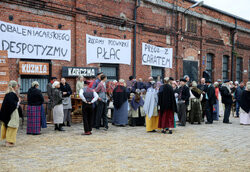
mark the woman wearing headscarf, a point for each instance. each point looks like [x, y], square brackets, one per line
[150, 108]
[137, 116]
[245, 105]
[195, 104]
[79, 84]
[120, 98]
[35, 111]
[9, 114]
[67, 106]
[166, 101]
[57, 105]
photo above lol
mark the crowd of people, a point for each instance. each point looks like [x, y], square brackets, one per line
[158, 105]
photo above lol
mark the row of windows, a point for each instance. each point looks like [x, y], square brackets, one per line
[225, 67]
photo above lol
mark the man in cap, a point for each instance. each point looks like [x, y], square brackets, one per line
[226, 100]
[183, 101]
[49, 92]
[97, 81]
[203, 87]
[211, 100]
[94, 86]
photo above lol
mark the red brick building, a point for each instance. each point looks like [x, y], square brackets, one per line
[202, 38]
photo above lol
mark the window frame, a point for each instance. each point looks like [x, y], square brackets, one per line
[191, 24]
[239, 71]
[35, 76]
[111, 78]
[227, 73]
[162, 72]
[210, 71]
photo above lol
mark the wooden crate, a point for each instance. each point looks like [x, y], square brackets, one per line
[76, 118]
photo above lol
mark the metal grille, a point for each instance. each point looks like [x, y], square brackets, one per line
[26, 84]
[225, 68]
[110, 72]
[155, 72]
[239, 69]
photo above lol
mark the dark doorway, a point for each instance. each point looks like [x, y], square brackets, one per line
[190, 68]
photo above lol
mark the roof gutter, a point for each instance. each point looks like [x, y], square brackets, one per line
[164, 4]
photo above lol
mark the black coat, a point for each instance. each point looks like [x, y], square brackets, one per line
[9, 105]
[245, 101]
[166, 98]
[185, 94]
[120, 95]
[226, 95]
[35, 97]
[211, 95]
[66, 88]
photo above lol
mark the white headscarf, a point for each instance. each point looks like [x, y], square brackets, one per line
[55, 84]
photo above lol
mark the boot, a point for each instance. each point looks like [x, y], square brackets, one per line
[68, 124]
[56, 127]
[60, 128]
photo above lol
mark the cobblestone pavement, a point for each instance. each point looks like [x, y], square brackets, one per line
[217, 147]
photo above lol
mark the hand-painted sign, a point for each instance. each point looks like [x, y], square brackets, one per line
[77, 71]
[157, 56]
[33, 68]
[35, 43]
[106, 50]
[4, 74]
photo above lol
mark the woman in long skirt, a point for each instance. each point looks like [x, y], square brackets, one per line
[245, 106]
[166, 101]
[120, 98]
[9, 114]
[35, 111]
[57, 105]
[67, 106]
[136, 113]
[150, 108]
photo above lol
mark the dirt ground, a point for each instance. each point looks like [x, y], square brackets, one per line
[217, 147]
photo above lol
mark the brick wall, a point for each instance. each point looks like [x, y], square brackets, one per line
[75, 18]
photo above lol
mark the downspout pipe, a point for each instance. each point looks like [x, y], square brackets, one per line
[137, 5]
[233, 48]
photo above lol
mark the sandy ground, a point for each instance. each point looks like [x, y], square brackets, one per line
[217, 147]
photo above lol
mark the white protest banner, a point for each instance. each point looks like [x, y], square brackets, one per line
[157, 56]
[106, 50]
[35, 43]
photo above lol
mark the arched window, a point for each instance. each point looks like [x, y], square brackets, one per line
[209, 66]
[239, 69]
[225, 67]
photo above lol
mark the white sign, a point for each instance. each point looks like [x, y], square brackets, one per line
[106, 50]
[35, 43]
[157, 56]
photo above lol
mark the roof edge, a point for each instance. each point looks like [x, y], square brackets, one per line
[221, 11]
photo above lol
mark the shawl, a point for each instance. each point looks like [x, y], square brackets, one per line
[245, 101]
[227, 86]
[196, 92]
[10, 103]
[135, 104]
[120, 95]
[151, 100]
[166, 98]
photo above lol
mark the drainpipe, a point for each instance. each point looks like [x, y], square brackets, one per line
[137, 4]
[233, 47]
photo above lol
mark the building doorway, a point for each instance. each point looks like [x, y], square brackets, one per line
[190, 68]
